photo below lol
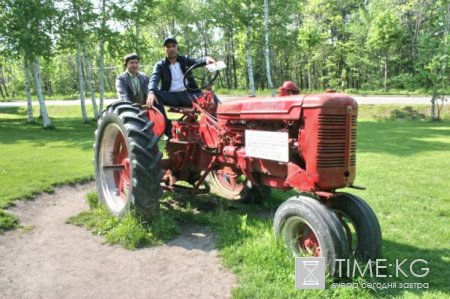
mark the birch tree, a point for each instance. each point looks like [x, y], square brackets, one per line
[101, 59]
[89, 79]
[248, 21]
[266, 46]
[26, 68]
[40, 94]
[26, 26]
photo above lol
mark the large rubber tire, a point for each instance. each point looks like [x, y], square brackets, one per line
[307, 227]
[124, 139]
[243, 191]
[356, 216]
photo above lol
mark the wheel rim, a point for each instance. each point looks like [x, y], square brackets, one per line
[230, 182]
[300, 237]
[350, 231]
[114, 166]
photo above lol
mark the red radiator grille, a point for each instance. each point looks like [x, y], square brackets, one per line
[332, 141]
[353, 142]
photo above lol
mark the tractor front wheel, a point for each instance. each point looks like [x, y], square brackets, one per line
[309, 228]
[360, 224]
[127, 161]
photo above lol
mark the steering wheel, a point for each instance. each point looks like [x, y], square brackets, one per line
[205, 78]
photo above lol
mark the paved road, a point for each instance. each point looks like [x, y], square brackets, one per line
[402, 100]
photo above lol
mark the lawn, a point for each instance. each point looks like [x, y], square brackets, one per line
[35, 160]
[405, 165]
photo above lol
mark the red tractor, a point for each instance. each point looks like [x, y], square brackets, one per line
[245, 148]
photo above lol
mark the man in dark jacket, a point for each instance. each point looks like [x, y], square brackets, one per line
[170, 72]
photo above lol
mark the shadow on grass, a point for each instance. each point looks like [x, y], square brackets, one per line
[438, 262]
[244, 236]
[402, 138]
[13, 110]
[238, 226]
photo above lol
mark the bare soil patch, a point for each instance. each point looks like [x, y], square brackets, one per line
[52, 259]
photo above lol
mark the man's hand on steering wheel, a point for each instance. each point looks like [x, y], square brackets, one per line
[203, 78]
[210, 60]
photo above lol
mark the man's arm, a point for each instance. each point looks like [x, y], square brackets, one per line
[201, 61]
[155, 78]
[121, 89]
[153, 85]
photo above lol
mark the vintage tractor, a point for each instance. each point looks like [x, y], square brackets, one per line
[245, 148]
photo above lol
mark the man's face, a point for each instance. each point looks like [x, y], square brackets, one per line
[171, 49]
[133, 66]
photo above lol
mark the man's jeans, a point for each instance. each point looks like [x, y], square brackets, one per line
[175, 99]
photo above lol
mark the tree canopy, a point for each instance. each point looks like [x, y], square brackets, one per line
[340, 44]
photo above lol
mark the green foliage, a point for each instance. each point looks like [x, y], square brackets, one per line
[318, 44]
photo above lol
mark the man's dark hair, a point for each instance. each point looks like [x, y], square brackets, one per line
[129, 57]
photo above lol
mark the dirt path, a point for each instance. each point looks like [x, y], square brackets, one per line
[59, 260]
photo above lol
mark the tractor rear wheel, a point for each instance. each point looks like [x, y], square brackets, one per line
[127, 161]
[360, 224]
[309, 228]
[237, 187]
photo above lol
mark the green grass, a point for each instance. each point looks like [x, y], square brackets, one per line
[74, 96]
[130, 231]
[403, 162]
[35, 160]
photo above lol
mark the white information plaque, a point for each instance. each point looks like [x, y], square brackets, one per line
[267, 145]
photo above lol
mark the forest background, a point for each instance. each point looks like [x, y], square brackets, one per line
[74, 48]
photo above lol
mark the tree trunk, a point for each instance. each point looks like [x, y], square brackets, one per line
[40, 94]
[30, 118]
[81, 84]
[433, 107]
[385, 71]
[267, 52]
[88, 71]
[251, 80]
[101, 75]
[309, 76]
[3, 79]
[137, 31]
[1, 91]
[233, 59]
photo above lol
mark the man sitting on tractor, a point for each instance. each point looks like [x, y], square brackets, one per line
[171, 71]
[132, 85]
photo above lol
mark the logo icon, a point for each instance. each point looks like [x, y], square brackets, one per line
[310, 272]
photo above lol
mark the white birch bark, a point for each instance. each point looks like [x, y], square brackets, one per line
[385, 71]
[40, 94]
[81, 84]
[30, 117]
[101, 75]
[251, 79]
[88, 72]
[266, 49]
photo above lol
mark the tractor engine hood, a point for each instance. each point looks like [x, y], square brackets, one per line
[280, 108]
